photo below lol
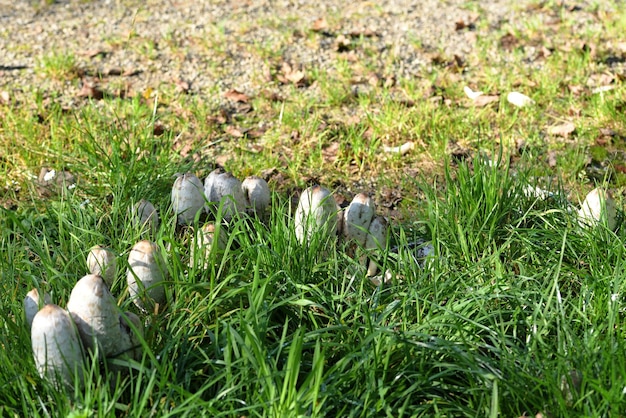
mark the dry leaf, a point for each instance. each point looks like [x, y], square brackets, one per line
[92, 53]
[289, 74]
[319, 25]
[563, 129]
[237, 96]
[233, 131]
[91, 91]
[508, 42]
[182, 86]
[485, 99]
[330, 153]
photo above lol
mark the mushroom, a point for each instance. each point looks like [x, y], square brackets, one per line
[598, 207]
[145, 216]
[146, 274]
[376, 240]
[96, 315]
[317, 210]
[33, 303]
[205, 240]
[103, 262]
[56, 347]
[257, 192]
[132, 332]
[187, 198]
[222, 187]
[357, 219]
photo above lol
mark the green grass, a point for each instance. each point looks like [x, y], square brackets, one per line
[516, 300]
[516, 297]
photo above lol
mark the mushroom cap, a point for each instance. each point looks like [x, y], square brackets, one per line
[33, 303]
[96, 314]
[376, 240]
[357, 218]
[317, 210]
[145, 215]
[597, 207]
[56, 346]
[257, 191]
[103, 262]
[187, 198]
[130, 344]
[204, 240]
[226, 189]
[210, 192]
[146, 274]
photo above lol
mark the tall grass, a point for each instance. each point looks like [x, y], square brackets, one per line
[516, 302]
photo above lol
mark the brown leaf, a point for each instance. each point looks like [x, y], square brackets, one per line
[290, 74]
[563, 129]
[92, 53]
[91, 91]
[256, 133]
[319, 25]
[182, 86]
[233, 131]
[330, 153]
[237, 96]
[509, 42]
[485, 99]
[552, 159]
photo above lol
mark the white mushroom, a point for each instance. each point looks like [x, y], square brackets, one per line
[33, 303]
[145, 216]
[376, 241]
[357, 219]
[223, 187]
[316, 211]
[132, 332]
[96, 315]
[598, 207]
[146, 274]
[257, 191]
[210, 192]
[56, 347]
[103, 262]
[187, 198]
[205, 240]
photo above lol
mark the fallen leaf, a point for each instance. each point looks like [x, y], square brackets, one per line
[92, 53]
[91, 91]
[237, 96]
[563, 129]
[289, 74]
[343, 44]
[319, 25]
[233, 131]
[508, 42]
[552, 160]
[485, 99]
[182, 86]
[330, 153]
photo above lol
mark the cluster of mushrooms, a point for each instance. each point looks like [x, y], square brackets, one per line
[93, 324]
